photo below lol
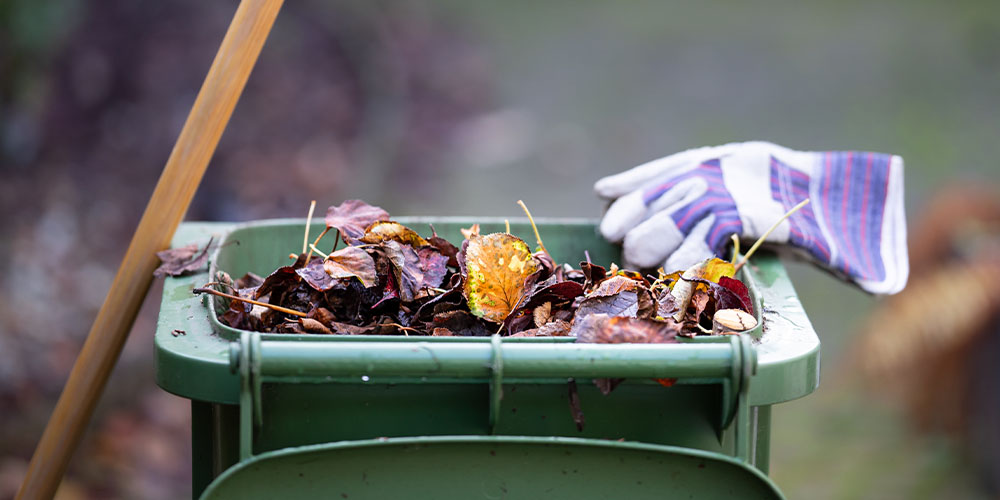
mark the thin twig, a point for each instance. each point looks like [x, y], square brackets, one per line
[321, 254]
[535, 228]
[760, 240]
[250, 301]
[507, 223]
[212, 283]
[305, 237]
[309, 256]
[336, 241]
[736, 247]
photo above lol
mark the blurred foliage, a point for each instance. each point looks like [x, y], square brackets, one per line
[414, 105]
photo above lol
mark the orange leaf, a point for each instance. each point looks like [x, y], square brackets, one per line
[390, 230]
[498, 265]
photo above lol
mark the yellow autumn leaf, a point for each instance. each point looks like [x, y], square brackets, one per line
[390, 230]
[497, 266]
[715, 268]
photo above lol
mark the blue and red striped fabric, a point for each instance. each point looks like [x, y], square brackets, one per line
[850, 183]
[716, 201]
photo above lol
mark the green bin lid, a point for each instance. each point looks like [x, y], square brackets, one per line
[509, 467]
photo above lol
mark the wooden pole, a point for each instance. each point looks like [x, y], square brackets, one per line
[171, 198]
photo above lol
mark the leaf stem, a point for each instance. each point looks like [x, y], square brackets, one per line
[736, 248]
[321, 254]
[767, 233]
[336, 241]
[309, 256]
[534, 227]
[250, 301]
[305, 237]
[507, 223]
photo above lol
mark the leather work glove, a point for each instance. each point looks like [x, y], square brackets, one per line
[681, 209]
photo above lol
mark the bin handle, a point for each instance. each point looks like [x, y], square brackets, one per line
[732, 364]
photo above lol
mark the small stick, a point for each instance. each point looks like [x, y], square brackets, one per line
[321, 254]
[305, 237]
[336, 241]
[535, 228]
[213, 283]
[587, 255]
[736, 247]
[507, 223]
[250, 301]
[309, 256]
[760, 240]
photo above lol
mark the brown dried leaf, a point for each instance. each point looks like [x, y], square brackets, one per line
[556, 328]
[498, 265]
[593, 273]
[666, 306]
[461, 323]
[601, 329]
[314, 274]
[613, 286]
[542, 314]
[381, 231]
[313, 326]
[472, 231]
[620, 304]
[352, 217]
[182, 260]
[446, 248]
[414, 269]
[351, 262]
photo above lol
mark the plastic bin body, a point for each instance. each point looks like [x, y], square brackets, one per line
[288, 407]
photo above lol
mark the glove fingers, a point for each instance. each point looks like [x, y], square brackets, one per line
[892, 251]
[693, 250]
[648, 243]
[630, 210]
[617, 185]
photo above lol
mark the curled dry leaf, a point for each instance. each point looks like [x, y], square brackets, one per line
[620, 304]
[593, 273]
[351, 262]
[316, 276]
[446, 248]
[352, 217]
[602, 329]
[472, 231]
[740, 290]
[498, 265]
[182, 260]
[613, 286]
[313, 326]
[381, 231]
[557, 328]
[414, 269]
[542, 314]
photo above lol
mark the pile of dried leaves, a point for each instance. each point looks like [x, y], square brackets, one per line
[389, 280]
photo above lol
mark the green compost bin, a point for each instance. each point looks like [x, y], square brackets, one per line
[268, 405]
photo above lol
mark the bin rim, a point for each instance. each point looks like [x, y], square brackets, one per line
[192, 360]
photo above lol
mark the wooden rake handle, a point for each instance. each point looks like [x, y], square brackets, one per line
[171, 198]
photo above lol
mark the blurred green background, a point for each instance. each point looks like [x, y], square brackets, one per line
[449, 107]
